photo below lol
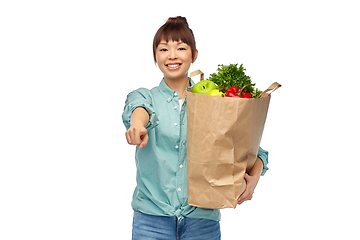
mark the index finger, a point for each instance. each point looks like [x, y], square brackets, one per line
[145, 140]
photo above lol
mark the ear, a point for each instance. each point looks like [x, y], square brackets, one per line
[195, 57]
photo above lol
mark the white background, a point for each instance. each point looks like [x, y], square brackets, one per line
[66, 67]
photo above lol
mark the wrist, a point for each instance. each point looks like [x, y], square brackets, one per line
[137, 123]
[257, 168]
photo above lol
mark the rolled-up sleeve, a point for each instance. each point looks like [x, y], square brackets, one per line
[139, 98]
[264, 155]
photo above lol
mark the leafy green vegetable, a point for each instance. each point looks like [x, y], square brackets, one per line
[233, 76]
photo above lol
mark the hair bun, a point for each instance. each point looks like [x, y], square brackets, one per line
[178, 19]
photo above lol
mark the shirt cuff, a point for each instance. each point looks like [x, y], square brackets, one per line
[264, 156]
[139, 98]
[153, 119]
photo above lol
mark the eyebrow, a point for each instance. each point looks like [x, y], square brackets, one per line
[165, 43]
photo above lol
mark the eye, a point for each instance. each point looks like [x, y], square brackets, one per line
[182, 49]
[163, 50]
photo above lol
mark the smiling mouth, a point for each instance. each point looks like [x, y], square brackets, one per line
[173, 66]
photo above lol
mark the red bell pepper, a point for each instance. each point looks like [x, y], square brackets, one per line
[235, 92]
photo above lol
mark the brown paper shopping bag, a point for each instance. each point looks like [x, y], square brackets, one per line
[223, 137]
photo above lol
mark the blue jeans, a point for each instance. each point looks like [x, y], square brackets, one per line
[149, 227]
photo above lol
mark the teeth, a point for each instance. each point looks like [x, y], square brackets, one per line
[174, 65]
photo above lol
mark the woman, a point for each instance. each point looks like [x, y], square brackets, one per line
[156, 123]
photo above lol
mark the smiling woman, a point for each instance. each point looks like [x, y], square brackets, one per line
[156, 122]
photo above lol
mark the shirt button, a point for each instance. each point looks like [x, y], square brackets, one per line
[183, 142]
[175, 94]
[169, 99]
[175, 107]
[176, 146]
[175, 124]
[181, 166]
[179, 189]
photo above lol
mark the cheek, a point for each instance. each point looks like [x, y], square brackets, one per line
[159, 58]
[188, 58]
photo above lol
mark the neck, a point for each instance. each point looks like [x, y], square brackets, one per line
[179, 85]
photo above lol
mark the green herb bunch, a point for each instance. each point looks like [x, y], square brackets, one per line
[233, 76]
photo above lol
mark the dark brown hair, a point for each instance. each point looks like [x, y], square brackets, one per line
[175, 29]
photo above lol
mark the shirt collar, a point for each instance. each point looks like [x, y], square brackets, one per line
[168, 93]
[191, 84]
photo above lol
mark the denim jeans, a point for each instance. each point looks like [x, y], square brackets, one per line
[149, 227]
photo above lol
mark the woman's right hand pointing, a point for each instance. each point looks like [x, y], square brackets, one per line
[137, 135]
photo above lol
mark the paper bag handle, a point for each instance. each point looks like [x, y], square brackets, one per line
[197, 72]
[270, 89]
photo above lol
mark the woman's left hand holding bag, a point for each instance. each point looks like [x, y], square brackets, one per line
[252, 180]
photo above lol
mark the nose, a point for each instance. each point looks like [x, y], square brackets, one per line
[172, 55]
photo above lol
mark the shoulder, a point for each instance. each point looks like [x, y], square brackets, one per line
[145, 92]
[140, 93]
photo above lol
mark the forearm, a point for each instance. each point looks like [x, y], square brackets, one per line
[252, 179]
[140, 117]
[257, 168]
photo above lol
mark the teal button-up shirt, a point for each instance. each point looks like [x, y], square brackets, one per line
[161, 166]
